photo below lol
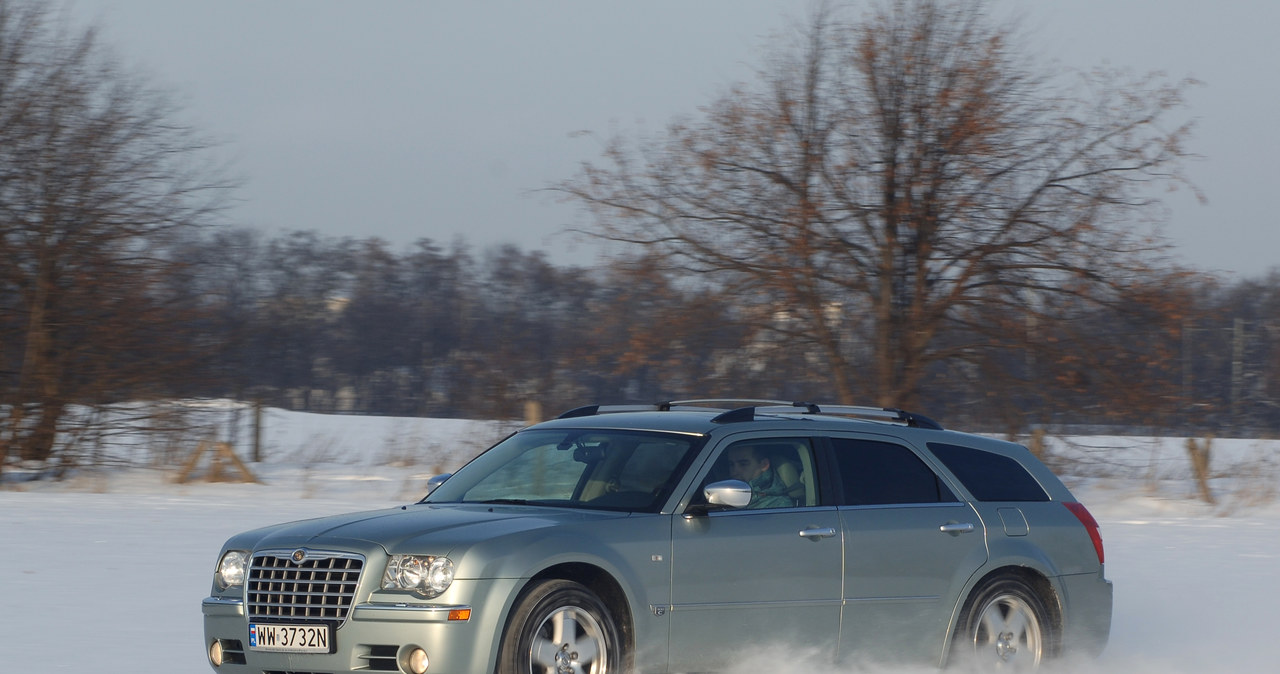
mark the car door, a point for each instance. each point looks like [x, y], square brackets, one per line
[751, 578]
[910, 545]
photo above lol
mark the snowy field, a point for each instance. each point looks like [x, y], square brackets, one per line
[104, 573]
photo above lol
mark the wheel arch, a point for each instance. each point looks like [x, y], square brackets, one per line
[603, 585]
[1034, 579]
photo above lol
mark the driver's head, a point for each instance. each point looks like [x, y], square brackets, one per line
[746, 463]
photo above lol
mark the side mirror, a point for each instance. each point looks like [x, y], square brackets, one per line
[728, 493]
[436, 481]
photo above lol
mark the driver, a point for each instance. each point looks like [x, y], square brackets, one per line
[749, 464]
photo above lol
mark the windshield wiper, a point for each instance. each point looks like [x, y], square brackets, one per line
[504, 501]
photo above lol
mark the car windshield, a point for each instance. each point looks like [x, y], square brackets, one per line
[596, 469]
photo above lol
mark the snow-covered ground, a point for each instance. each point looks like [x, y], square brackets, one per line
[104, 572]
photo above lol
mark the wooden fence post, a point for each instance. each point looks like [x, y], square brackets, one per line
[532, 412]
[1200, 466]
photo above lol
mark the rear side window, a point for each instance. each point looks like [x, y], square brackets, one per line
[989, 476]
[882, 473]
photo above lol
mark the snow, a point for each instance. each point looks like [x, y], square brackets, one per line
[104, 572]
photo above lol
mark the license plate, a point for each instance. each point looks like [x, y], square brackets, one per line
[290, 638]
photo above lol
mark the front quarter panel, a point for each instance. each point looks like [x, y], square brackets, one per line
[633, 550]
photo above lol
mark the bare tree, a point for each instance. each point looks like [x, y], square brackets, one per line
[894, 187]
[95, 172]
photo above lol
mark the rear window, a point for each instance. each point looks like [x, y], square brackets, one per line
[989, 476]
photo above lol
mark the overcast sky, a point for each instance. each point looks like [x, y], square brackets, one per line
[442, 119]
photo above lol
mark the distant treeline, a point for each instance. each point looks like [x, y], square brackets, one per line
[345, 325]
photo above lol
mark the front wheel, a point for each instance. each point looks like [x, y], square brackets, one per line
[1005, 628]
[559, 627]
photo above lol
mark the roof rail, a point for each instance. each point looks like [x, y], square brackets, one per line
[730, 402]
[746, 410]
[592, 410]
[890, 413]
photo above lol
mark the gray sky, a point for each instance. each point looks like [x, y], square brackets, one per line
[442, 119]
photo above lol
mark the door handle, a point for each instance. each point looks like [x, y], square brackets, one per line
[815, 534]
[957, 528]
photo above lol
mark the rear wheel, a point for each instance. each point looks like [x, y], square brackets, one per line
[560, 627]
[1005, 628]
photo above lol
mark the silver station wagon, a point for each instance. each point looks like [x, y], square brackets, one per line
[683, 537]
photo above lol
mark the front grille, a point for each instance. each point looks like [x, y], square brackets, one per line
[320, 587]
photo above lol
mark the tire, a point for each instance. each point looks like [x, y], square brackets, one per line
[560, 627]
[1005, 627]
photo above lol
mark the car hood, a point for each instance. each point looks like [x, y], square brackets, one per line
[421, 528]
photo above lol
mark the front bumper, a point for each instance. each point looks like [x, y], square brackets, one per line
[375, 637]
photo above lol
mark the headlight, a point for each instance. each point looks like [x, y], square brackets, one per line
[231, 569]
[428, 576]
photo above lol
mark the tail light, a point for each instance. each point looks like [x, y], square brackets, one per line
[1090, 525]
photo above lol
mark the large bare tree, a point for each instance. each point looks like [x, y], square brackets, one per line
[96, 173]
[895, 186]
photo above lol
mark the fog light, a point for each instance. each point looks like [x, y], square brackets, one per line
[417, 661]
[215, 653]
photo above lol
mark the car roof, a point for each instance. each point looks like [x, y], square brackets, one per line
[704, 416]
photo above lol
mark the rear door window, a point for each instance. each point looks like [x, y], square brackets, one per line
[884, 473]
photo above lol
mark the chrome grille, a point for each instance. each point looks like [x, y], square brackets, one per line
[320, 587]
